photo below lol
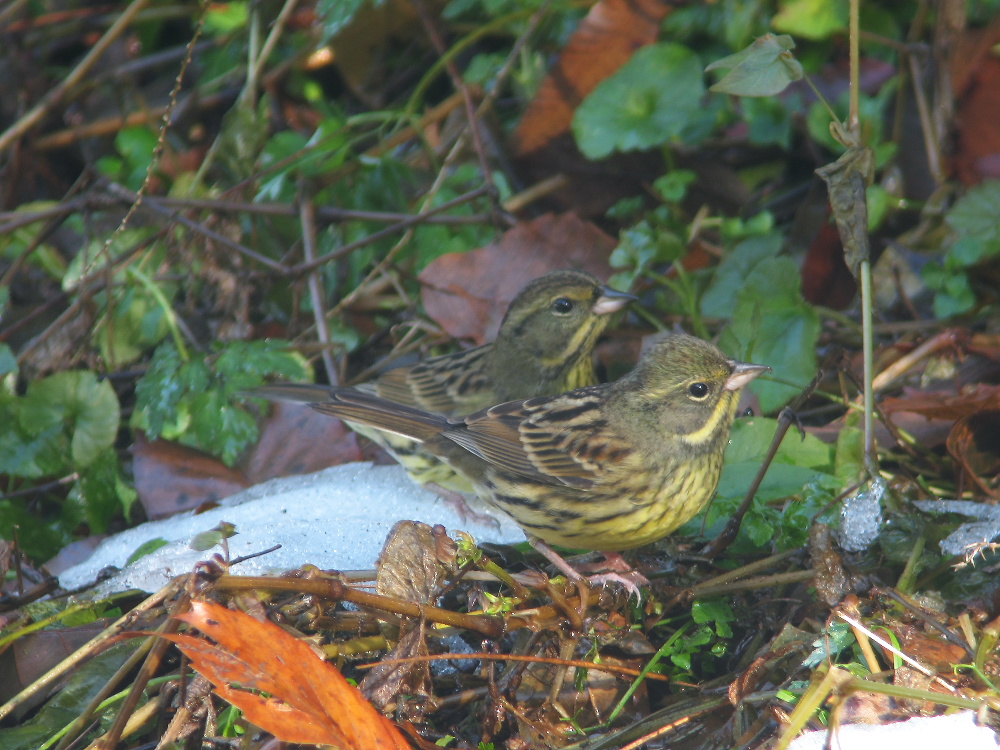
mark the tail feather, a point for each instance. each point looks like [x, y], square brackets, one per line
[363, 407]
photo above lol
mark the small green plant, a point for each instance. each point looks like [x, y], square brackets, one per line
[63, 428]
[191, 399]
[975, 238]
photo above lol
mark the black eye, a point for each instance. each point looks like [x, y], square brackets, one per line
[698, 390]
[562, 305]
[748, 412]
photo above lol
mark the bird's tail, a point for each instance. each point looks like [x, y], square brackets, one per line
[361, 406]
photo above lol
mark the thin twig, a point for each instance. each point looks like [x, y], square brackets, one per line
[785, 419]
[123, 193]
[81, 654]
[407, 223]
[55, 95]
[272, 41]
[323, 213]
[307, 218]
[459, 83]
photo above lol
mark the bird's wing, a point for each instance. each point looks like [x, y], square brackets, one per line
[302, 392]
[361, 406]
[546, 439]
[455, 384]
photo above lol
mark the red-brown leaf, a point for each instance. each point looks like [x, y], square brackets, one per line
[171, 477]
[296, 439]
[468, 293]
[310, 700]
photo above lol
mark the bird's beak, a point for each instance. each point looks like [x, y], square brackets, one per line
[743, 373]
[611, 300]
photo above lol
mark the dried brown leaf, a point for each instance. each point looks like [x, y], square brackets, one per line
[468, 293]
[309, 700]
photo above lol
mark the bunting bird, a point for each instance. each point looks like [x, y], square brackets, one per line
[604, 467]
[545, 346]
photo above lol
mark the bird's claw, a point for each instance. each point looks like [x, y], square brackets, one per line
[631, 580]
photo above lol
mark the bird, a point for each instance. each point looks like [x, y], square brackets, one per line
[544, 346]
[606, 467]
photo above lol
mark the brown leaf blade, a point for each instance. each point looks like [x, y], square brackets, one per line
[310, 700]
[468, 293]
[847, 180]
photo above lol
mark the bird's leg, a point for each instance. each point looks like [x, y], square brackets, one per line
[621, 571]
[458, 503]
[565, 568]
[556, 559]
[631, 579]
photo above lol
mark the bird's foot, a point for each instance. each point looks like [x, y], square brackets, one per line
[614, 569]
[460, 505]
[630, 579]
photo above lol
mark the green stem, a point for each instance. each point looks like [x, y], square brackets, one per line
[869, 364]
[905, 583]
[854, 118]
[665, 649]
[460, 46]
[168, 310]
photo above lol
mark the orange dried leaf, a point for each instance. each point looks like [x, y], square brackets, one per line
[604, 41]
[309, 700]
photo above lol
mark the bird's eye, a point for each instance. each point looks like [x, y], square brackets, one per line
[698, 390]
[562, 306]
[748, 412]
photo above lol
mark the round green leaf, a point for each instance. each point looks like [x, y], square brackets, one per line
[654, 98]
[88, 409]
[765, 68]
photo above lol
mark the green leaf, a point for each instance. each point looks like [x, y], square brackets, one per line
[8, 362]
[192, 401]
[655, 98]
[208, 539]
[136, 145]
[87, 409]
[811, 19]
[673, 186]
[831, 642]
[27, 238]
[717, 611]
[956, 298]
[226, 18]
[219, 427]
[720, 299]
[765, 68]
[83, 683]
[138, 323]
[785, 336]
[769, 120]
[965, 252]
[974, 215]
[40, 541]
[751, 438]
[146, 548]
[102, 492]
[337, 14]
[849, 460]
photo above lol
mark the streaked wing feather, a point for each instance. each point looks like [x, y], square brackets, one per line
[518, 437]
[301, 392]
[367, 408]
[452, 384]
